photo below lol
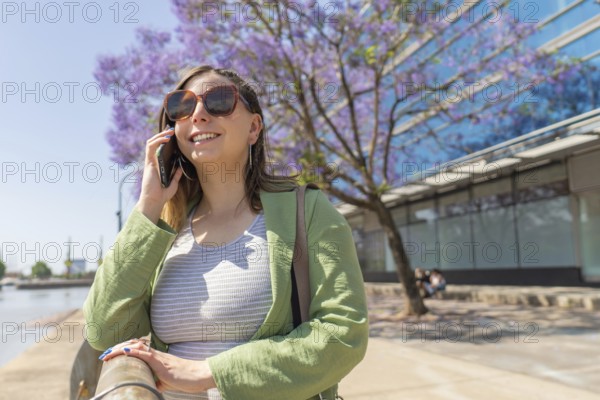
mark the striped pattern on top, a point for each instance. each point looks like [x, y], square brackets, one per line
[211, 297]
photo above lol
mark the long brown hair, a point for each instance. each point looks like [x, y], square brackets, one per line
[256, 178]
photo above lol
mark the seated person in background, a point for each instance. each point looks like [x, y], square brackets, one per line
[436, 283]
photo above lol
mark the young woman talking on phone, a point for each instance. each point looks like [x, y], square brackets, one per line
[203, 265]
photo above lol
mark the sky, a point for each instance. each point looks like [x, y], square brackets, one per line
[57, 182]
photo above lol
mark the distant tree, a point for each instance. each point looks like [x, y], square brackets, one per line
[41, 270]
[2, 269]
[68, 264]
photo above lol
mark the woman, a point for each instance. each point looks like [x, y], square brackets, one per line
[204, 264]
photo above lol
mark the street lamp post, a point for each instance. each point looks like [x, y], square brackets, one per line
[120, 209]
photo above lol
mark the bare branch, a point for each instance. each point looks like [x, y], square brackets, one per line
[373, 144]
[353, 160]
[343, 196]
[347, 178]
[388, 139]
[351, 107]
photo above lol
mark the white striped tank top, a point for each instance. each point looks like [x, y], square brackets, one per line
[211, 297]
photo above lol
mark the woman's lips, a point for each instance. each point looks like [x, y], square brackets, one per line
[197, 135]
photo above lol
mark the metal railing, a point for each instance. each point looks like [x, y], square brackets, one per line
[126, 378]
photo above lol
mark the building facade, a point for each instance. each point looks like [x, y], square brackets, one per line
[525, 211]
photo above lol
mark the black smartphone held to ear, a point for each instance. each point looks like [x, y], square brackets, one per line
[166, 155]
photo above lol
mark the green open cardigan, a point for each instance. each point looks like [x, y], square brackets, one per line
[279, 362]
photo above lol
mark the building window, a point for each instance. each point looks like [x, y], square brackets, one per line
[422, 247]
[455, 243]
[546, 191]
[541, 183]
[589, 225]
[423, 211]
[546, 233]
[491, 195]
[454, 204]
[454, 229]
[373, 250]
[494, 243]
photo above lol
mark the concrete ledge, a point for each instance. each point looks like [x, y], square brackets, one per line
[55, 284]
[535, 296]
[591, 303]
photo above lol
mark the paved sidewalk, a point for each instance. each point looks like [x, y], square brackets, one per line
[472, 350]
[43, 371]
[391, 371]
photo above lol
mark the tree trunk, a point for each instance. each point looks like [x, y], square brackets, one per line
[413, 301]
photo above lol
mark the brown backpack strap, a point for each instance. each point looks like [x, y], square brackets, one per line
[300, 278]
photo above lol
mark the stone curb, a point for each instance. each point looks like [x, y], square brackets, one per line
[535, 296]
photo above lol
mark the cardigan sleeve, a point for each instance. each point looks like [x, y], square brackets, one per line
[117, 306]
[320, 352]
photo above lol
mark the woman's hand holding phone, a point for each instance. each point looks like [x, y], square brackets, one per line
[153, 195]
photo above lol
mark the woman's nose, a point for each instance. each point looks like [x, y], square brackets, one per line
[200, 112]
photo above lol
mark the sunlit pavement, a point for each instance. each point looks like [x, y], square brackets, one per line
[43, 370]
[470, 350]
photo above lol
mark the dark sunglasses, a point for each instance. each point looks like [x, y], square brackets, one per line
[218, 101]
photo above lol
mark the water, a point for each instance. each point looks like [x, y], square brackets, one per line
[21, 309]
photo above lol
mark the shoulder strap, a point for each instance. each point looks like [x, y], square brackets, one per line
[300, 278]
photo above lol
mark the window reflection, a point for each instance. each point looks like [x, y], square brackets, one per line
[373, 251]
[423, 211]
[454, 204]
[545, 233]
[494, 239]
[491, 195]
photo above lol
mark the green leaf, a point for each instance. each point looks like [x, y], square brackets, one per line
[370, 54]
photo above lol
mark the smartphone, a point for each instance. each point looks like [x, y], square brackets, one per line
[167, 155]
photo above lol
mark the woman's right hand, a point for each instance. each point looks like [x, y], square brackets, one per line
[153, 196]
[171, 372]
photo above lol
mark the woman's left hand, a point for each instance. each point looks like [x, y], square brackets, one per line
[173, 373]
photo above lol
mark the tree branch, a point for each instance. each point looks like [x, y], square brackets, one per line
[351, 107]
[353, 160]
[350, 199]
[373, 143]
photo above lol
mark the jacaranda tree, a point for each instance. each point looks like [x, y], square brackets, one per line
[351, 89]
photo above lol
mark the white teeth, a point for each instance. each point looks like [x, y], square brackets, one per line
[204, 136]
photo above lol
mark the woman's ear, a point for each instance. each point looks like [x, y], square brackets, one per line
[255, 128]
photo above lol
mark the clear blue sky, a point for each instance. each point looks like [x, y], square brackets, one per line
[56, 177]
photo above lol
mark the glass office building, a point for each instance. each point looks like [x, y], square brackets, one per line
[523, 211]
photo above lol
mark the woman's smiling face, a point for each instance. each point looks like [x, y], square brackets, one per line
[235, 132]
